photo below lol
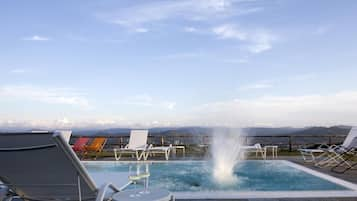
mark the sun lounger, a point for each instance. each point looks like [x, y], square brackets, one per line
[96, 146]
[137, 145]
[80, 144]
[314, 155]
[42, 166]
[151, 150]
[336, 153]
[256, 148]
[342, 154]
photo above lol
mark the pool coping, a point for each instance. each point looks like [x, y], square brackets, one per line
[262, 194]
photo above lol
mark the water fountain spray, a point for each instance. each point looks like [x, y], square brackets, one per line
[226, 154]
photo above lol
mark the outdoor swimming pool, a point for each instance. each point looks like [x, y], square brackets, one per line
[193, 179]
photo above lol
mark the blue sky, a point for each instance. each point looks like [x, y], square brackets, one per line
[178, 63]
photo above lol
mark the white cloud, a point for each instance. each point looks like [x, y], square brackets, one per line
[256, 86]
[148, 101]
[228, 31]
[236, 61]
[305, 110]
[261, 41]
[303, 77]
[140, 100]
[45, 95]
[169, 105]
[182, 55]
[18, 71]
[190, 29]
[256, 41]
[301, 110]
[193, 10]
[141, 30]
[37, 38]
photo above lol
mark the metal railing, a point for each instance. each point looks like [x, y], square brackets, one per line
[285, 142]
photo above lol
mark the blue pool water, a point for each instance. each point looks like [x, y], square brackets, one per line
[196, 176]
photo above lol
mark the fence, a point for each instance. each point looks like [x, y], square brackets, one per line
[285, 142]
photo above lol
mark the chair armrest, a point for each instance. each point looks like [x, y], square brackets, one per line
[324, 146]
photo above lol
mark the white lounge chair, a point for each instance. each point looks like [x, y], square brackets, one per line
[42, 166]
[314, 155]
[137, 145]
[256, 148]
[158, 150]
[335, 154]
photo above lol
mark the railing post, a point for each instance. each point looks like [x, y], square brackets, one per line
[329, 140]
[162, 140]
[290, 145]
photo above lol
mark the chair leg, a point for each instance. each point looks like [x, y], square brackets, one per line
[116, 154]
[145, 155]
[350, 166]
[83, 155]
[137, 155]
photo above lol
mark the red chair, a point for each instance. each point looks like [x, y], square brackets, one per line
[79, 145]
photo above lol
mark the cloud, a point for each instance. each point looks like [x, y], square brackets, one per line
[303, 77]
[191, 10]
[256, 86]
[45, 95]
[182, 55]
[304, 110]
[236, 61]
[145, 100]
[169, 105]
[18, 71]
[256, 41]
[140, 100]
[228, 31]
[141, 30]
[37, 38]
[190, 29]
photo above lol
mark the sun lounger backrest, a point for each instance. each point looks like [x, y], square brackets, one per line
[138, 139]
[42, 166]
[97, 144]
[80, 143]
[351, 139]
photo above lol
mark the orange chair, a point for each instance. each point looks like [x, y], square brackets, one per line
[96, 146]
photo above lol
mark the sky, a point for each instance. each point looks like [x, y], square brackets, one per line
[144, 63]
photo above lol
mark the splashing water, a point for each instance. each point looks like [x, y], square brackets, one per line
[225, 155]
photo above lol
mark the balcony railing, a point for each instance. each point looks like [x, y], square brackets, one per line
[285, 142]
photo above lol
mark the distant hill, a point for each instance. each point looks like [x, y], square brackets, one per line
[335, 130]
[187, 131]
[253, 131]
